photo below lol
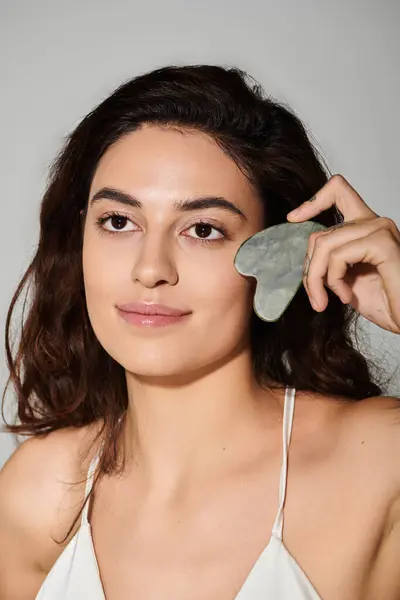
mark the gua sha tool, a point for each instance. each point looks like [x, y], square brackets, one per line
[275, 258]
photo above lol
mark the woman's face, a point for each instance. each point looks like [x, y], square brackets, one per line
[182, 210]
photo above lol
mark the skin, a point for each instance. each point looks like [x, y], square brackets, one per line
[204, 441]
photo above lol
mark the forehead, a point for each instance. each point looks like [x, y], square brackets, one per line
[155, 162]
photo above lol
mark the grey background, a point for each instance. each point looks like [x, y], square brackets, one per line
[335, 63]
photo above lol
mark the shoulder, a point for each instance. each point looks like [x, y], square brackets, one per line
[376, 425]
[41, 489]
[378, 418]
[363, 437]
[372, 426]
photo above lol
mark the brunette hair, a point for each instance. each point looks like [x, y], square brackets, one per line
[61, 374]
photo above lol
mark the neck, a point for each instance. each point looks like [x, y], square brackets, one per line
[180, 431]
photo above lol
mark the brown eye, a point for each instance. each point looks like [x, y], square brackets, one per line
[118, 222]
[203, 230]
[114, 223]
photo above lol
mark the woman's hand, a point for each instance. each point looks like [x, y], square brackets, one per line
[358, 259]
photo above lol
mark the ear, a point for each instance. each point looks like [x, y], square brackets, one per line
[275, 258]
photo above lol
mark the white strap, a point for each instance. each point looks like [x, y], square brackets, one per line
[288, 412]
[88, 488]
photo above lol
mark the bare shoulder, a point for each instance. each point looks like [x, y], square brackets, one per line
[378, 419]
[41, 489]
[375, 419]
[363, 438]
[385, 408]
[371, 427]
[375, 423]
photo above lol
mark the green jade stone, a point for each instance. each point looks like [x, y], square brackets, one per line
[275, 258]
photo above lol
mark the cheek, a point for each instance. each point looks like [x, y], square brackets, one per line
[223, 304]
[223, 290]
[102, 274]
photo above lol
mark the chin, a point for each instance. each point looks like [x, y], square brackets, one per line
[161, 370]
[174, 376]
[174, 367]
[155, 360]
[168, 355]
[169, 363]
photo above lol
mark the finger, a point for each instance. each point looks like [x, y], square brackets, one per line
[379, 249]
[320, 247]
[337, 191]
[342, 233]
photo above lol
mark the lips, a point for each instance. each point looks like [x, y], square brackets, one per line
[149, 316]
[143, 308]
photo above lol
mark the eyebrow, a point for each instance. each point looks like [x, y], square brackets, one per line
[183, 205]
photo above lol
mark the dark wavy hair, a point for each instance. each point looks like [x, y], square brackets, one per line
[61, 374]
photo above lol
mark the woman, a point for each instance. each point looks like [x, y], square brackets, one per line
[143, 365]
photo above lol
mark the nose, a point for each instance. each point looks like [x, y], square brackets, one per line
[154, 264]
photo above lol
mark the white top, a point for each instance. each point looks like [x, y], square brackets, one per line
[275, 575]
